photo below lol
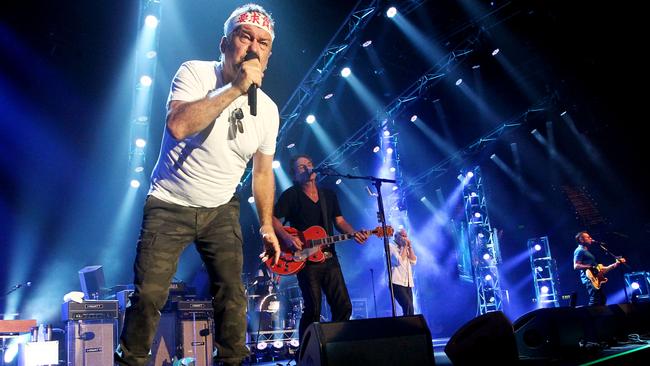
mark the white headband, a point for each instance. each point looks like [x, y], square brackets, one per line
[253, 18]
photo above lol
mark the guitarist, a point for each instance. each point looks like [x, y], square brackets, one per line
[584, 260]
[305, 205]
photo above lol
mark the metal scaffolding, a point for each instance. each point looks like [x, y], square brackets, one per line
[544, 268]
[335, 50]
[483, 243]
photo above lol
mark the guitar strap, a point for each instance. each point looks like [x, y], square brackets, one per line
[322, 200]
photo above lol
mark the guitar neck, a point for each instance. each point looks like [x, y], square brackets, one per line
[330, 240]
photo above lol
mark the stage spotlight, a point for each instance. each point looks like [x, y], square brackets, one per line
[328, 96]
[139, 169]
[494, 53]
[481, 235]
[389, 150]
[424, 198]
[391, 12]
[459, 81]
[392, 169]
[310, 119]
[140, 143]
[278, 344]
[414, 118]
[544, 289]
[477, 214]
[251, 199]
[338, 181]
[488, 277]
[486, 256]
[537, 247]
[291, 146]
[394, 188]
[345, 72]
[261, 346]
[376, 149]
[473, 194]
[11, 350]
[135, 183]
[470, 174]
[635, 285]
[151, 54]
[151, 21]
[145, 80]
[294, 343]
[386, 133]
[366, 43]
[275, 164]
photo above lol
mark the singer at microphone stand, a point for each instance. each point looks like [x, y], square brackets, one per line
[211, 134]
[583, 260]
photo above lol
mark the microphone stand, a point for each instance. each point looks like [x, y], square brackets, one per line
[374, 297]
[16, 287]
[380, 215]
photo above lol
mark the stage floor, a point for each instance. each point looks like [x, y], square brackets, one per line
[630, 354]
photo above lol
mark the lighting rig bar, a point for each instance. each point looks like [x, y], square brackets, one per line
[411, 94]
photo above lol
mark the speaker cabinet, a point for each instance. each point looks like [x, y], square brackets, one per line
[555, 333]
[486, 337]
[181, 338]
[400, 341]
[90, 343]
[197, 340]
[163, 348]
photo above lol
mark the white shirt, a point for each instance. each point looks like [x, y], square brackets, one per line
[402, 269]
[203, 170]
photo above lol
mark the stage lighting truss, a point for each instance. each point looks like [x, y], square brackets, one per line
[483, 242]
[545, 276]
[638, 286]
[145, 71]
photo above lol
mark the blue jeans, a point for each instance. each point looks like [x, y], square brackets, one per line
[596, 296]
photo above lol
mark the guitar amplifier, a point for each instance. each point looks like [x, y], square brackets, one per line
[90, 343]
[185, 331]
[89, 310]
[194, 309]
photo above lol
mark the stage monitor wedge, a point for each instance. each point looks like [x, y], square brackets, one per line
[404, 340]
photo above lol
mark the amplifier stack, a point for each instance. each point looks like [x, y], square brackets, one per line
[90, 331]
[186, 330]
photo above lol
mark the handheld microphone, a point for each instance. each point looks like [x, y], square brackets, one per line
[252, 90]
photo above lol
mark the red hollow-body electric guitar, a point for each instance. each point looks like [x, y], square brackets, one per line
[313, 238]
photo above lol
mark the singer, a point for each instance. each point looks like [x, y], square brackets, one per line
[210, 137]
[583, 261]
[402, 260]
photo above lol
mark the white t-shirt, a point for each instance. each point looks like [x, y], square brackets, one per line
[203, 170]
[402, 268]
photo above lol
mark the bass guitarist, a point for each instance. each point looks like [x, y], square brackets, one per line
[305, 205]
[591, 273]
